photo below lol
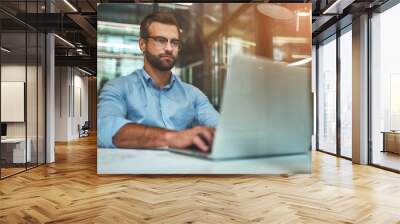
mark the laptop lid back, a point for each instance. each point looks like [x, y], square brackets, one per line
[266, 110]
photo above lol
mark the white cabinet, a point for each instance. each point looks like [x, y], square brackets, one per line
[16, 147]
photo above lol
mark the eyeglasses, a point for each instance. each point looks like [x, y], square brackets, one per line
[163, 41]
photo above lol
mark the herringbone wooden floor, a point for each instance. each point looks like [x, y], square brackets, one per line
[70, 191]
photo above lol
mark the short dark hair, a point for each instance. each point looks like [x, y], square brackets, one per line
[161, 17]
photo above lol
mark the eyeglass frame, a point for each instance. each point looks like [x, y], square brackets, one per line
[163, 45]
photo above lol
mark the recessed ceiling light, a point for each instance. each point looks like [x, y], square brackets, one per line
[64, 40]
[5, 50]
[84, 71]
[337, 7]
[70, 5]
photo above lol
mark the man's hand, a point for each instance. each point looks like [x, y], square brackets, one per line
[200, 136]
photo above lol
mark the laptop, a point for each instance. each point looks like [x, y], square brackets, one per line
[266, 111]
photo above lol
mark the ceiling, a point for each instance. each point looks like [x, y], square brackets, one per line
[75, 21]
[330, 15]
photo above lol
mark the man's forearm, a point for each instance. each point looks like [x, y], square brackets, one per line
[140, 136]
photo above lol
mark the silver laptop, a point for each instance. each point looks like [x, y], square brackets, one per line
[266, 111]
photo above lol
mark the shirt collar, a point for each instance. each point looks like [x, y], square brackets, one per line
[148, 79]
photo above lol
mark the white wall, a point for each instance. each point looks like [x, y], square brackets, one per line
[12, 73]
[71, 94]
[61, 103]
[33, 127]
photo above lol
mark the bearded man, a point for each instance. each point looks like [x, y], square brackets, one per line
[152, 107]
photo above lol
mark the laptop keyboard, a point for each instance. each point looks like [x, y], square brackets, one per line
[195, 148]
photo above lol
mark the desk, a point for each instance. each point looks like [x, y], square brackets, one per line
[391, 141]
[16, 147]
[142, 161]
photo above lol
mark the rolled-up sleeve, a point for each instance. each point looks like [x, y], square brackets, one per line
[206, 114]
[112, 112]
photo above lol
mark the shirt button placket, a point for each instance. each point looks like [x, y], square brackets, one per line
[160, 91]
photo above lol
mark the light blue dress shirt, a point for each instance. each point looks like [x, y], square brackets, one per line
[136, 99]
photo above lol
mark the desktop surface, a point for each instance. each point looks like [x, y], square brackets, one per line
[150, 161]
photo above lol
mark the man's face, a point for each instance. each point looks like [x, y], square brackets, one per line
[159, 53]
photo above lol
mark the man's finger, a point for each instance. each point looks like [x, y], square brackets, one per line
[207, 136]
[200, 144]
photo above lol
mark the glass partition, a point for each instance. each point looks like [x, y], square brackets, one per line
[31, 97]
[385, 89]
[32, 86]
[41, 97]
[13, 114]
[327, 96]
[22, 88]
[346, 93]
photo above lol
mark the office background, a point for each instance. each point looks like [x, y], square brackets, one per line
[211, 34]
[25, 49]
[334, 70]
[29, 89]
[22, 79]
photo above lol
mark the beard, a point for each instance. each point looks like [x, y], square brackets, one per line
[158, 63]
